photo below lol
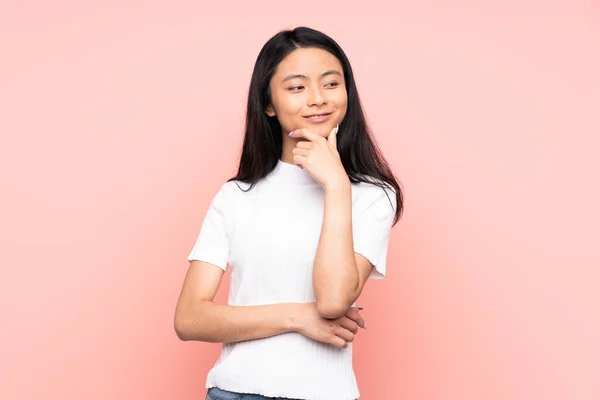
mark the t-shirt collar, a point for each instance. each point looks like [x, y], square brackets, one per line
[291, 174]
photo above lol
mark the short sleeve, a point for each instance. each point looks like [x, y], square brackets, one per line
[213, 244]
[371, 228]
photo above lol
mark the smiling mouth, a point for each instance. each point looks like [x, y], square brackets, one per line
[317, 116]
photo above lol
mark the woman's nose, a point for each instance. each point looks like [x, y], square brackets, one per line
[316, 97]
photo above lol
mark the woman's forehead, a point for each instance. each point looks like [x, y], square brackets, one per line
[308, 61]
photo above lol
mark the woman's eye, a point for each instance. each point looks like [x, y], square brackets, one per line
[332, 84]
[295, 88]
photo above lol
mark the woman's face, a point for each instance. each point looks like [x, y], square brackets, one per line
[308, 81]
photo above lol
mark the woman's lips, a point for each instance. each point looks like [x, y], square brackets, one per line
[319, 118]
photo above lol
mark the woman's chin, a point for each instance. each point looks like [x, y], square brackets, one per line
[322, 131]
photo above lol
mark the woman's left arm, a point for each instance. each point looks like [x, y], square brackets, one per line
[339, 274]
[341, 266]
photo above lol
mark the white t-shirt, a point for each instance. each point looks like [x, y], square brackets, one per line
[268, 236]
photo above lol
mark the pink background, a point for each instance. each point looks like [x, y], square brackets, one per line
[120, 120]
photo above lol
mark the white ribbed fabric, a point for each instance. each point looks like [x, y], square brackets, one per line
[268, 236]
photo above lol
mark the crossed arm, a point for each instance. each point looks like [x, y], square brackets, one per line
[198, 317]
[339, 274]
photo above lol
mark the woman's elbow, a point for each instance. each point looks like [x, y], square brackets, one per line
[186, 327]
[331, 309]
[181, 328]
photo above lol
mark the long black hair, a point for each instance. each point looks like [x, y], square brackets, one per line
[262, 147]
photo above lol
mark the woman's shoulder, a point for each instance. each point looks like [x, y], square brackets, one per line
[373, 187]
[374, 192]
[234, 190]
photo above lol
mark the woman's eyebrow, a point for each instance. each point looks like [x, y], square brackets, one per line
[330, 72]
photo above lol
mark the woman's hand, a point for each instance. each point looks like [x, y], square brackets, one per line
[319, 157]
[338, 332]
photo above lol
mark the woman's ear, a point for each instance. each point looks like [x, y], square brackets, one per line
[270, 112]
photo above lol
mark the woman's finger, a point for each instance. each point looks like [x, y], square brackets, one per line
[355, 316]
[301, 152]
[306, 134]
[338, 341]
[305, 145]
[299, 160]
[332, 138]
[349, 324]
[344, 333]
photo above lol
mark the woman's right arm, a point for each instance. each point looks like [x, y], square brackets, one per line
[197, 317]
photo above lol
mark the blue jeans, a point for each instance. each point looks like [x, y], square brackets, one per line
[215, 393]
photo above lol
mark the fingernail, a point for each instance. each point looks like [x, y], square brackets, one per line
[337, 127]
[290, 134]
[365, 326]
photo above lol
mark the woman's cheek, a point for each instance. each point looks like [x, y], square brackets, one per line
[294, 104]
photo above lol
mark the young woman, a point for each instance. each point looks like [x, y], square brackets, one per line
[303, 225]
